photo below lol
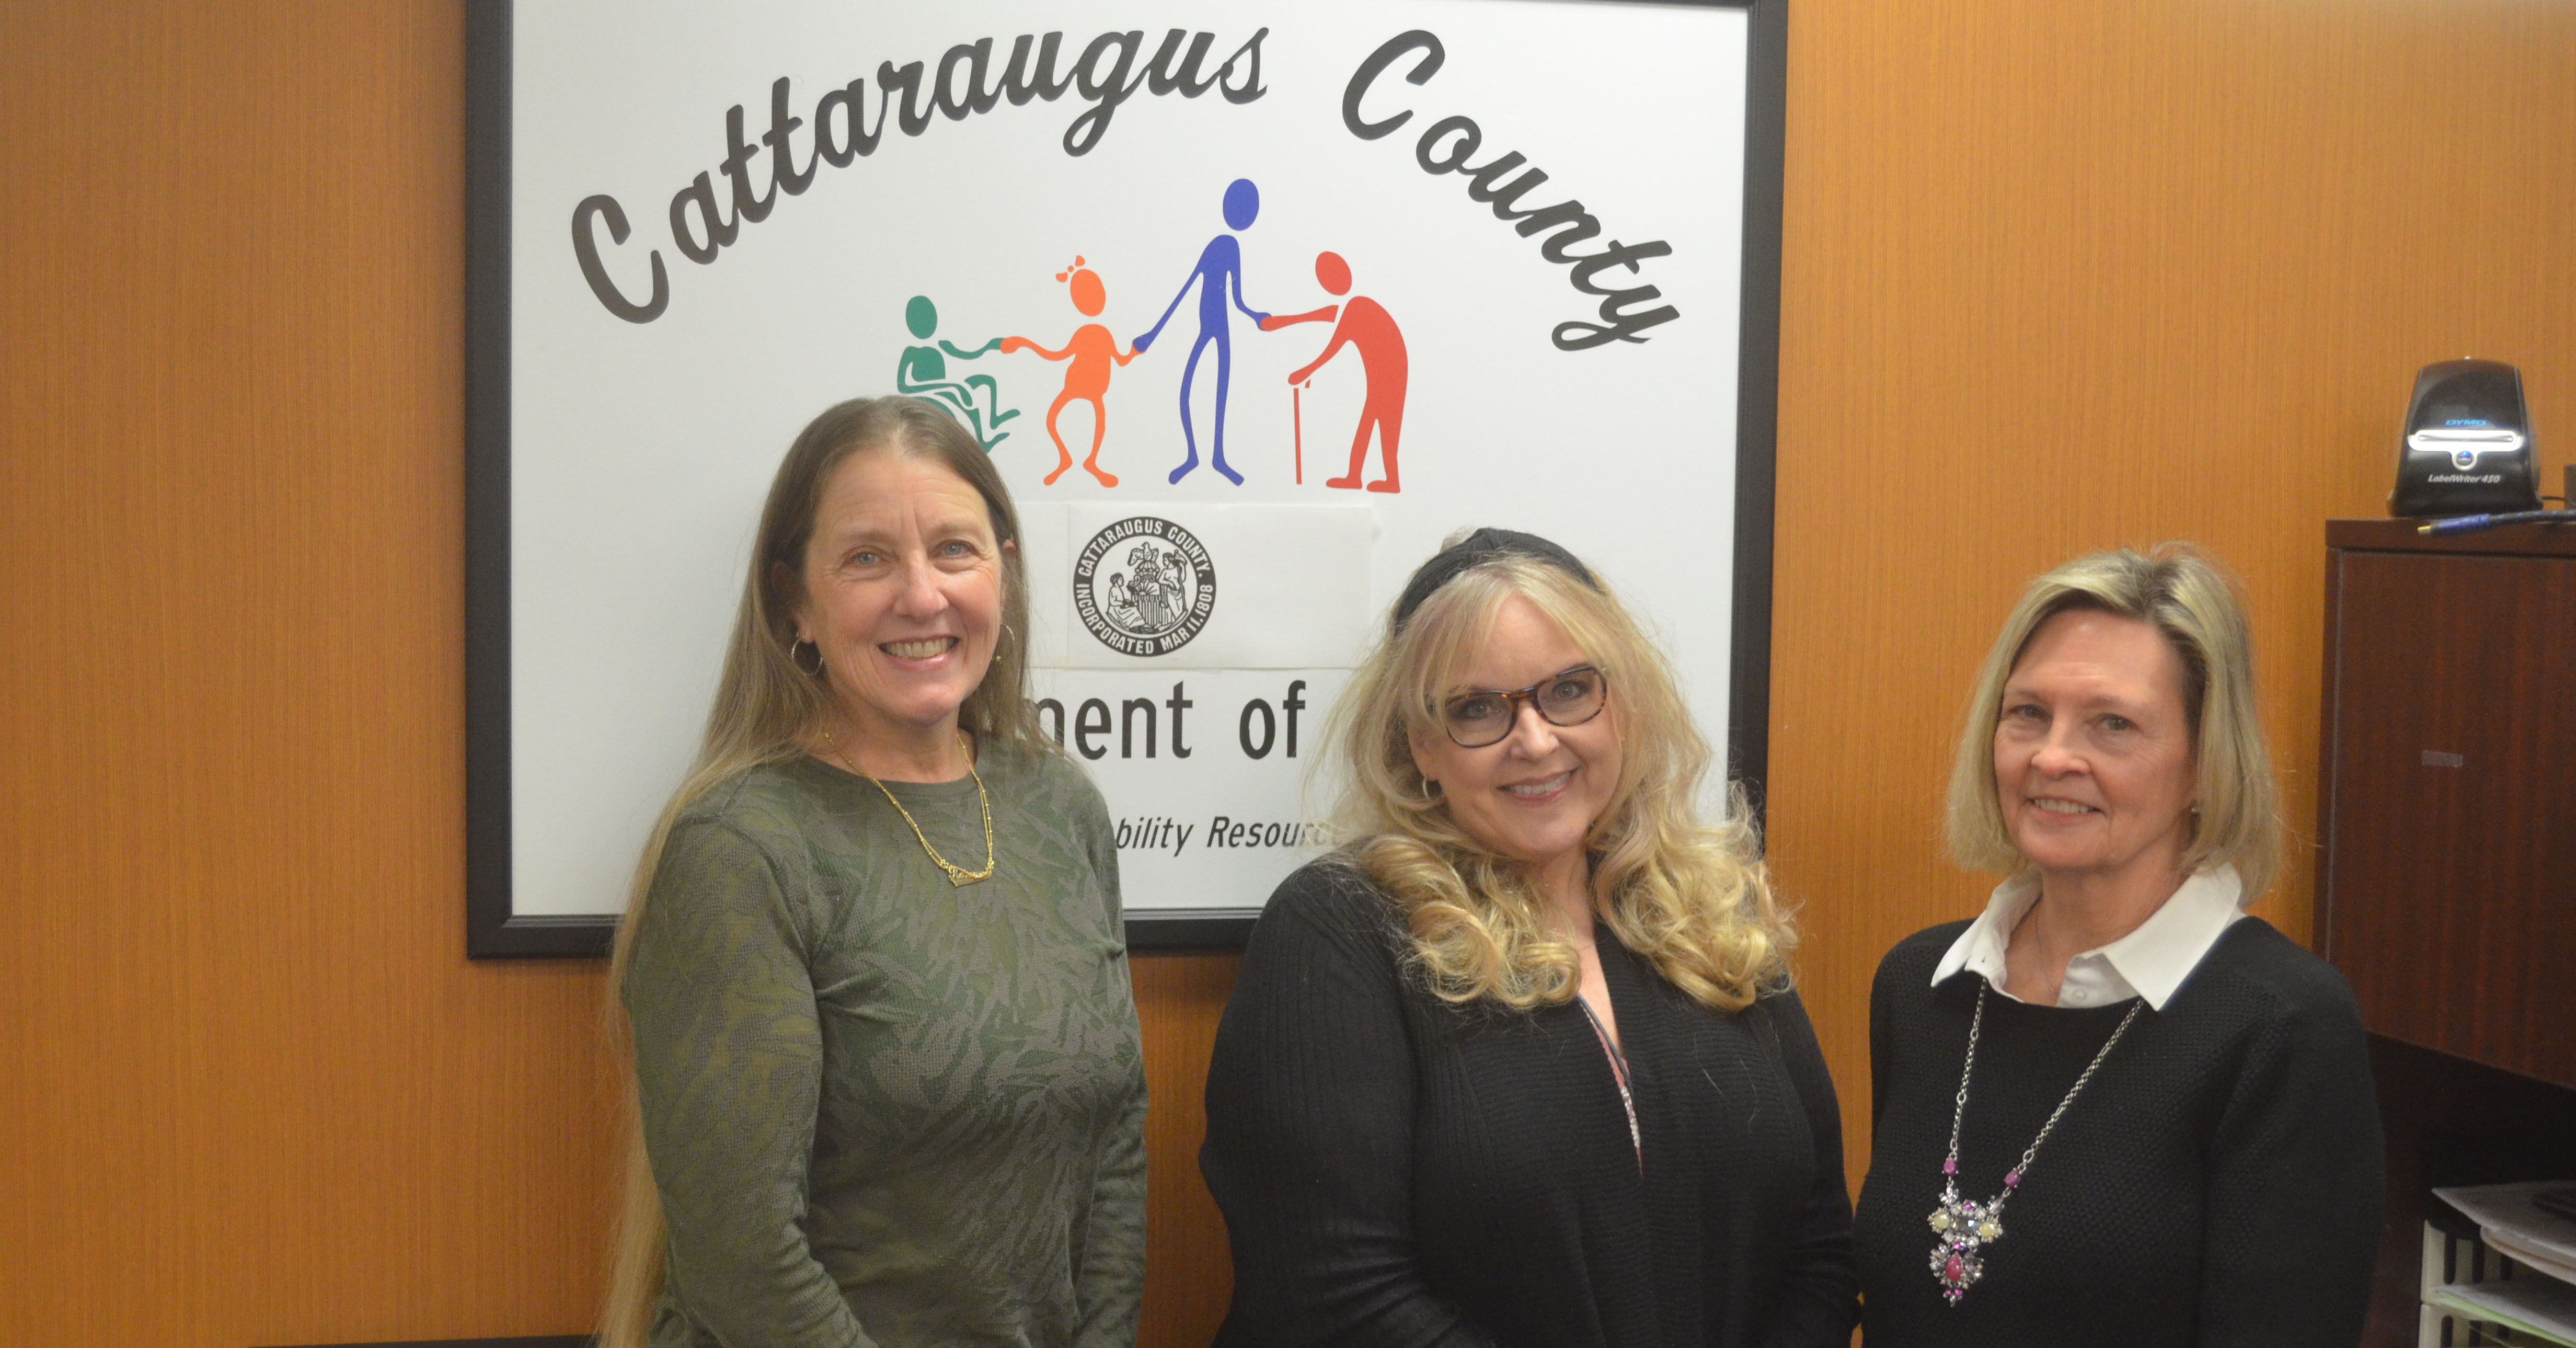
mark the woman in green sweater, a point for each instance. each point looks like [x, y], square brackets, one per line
[886, 1064]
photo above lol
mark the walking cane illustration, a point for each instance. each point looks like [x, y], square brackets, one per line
[1297, 427]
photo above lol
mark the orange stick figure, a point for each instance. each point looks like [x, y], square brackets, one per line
[1367, 326]
[1091, 349]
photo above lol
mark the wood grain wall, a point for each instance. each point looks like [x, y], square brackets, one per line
[2068, 276]
[250, 1090]
[2060, 274]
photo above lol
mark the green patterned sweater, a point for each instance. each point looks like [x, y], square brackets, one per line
[882, 1109]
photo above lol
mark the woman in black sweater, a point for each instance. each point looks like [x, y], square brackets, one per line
[2115, 1109]
[1521, 1066]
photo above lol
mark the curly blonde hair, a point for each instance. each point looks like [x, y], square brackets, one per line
[1688, 894]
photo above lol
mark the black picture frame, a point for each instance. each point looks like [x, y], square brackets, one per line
[494, 931]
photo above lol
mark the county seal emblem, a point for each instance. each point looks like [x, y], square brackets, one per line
[1144, 586]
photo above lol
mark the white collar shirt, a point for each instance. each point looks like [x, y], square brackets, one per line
[2150, 962]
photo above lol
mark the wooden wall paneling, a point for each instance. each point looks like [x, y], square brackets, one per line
[253, 1091]
[1189, 1277]
[2065, 276]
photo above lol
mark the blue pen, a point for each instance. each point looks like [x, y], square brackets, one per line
[2472, 523]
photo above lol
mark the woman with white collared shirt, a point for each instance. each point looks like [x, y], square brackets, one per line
[2116, 1109]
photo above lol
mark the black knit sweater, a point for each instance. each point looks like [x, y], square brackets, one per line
[2218, 1182]
[1397, 1171]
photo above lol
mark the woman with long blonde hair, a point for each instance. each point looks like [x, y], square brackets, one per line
[1520, 1064]
[887, 1080]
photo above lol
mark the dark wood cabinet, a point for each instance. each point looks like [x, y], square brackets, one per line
[2446, 872]
[2446, 859]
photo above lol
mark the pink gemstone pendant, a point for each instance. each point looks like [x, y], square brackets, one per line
[1958, 1270]
[1961, 1228]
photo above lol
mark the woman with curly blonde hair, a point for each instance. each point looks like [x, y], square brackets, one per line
[1520, 1064]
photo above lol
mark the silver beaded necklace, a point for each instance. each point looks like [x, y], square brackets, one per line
[1962, 1228]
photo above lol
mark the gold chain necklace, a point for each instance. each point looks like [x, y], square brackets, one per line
[957, 875]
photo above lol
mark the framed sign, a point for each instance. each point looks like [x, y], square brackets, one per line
[1252, 305]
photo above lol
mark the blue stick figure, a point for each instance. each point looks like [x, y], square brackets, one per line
[1218, 276]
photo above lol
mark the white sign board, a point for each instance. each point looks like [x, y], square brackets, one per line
[1251, 304]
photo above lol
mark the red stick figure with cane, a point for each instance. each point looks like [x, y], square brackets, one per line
[1366, 325]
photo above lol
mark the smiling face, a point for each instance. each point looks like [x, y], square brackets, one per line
[1535, 796]
[2094, 769]
[902, 590]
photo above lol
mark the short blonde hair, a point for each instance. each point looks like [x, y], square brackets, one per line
[2193, 603]
[1689, 895]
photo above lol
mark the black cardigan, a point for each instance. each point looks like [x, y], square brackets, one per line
[1397, 1171]
[2217, 1183]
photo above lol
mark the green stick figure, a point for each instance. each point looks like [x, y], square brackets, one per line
[921, 370]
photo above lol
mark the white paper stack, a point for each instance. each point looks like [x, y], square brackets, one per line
[2543, 1308]
[2534, 1295]
[2509, 1221]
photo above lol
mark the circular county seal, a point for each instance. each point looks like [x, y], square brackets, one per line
[1144, 586]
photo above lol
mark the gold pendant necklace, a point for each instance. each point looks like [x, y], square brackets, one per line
[957, 875]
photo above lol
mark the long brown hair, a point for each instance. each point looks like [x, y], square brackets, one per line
[765, 707]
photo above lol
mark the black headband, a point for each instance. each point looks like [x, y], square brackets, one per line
[1482, 546]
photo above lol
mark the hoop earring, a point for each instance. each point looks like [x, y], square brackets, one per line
[794, 658]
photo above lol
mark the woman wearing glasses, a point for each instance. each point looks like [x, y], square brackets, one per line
[1520, 1064]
